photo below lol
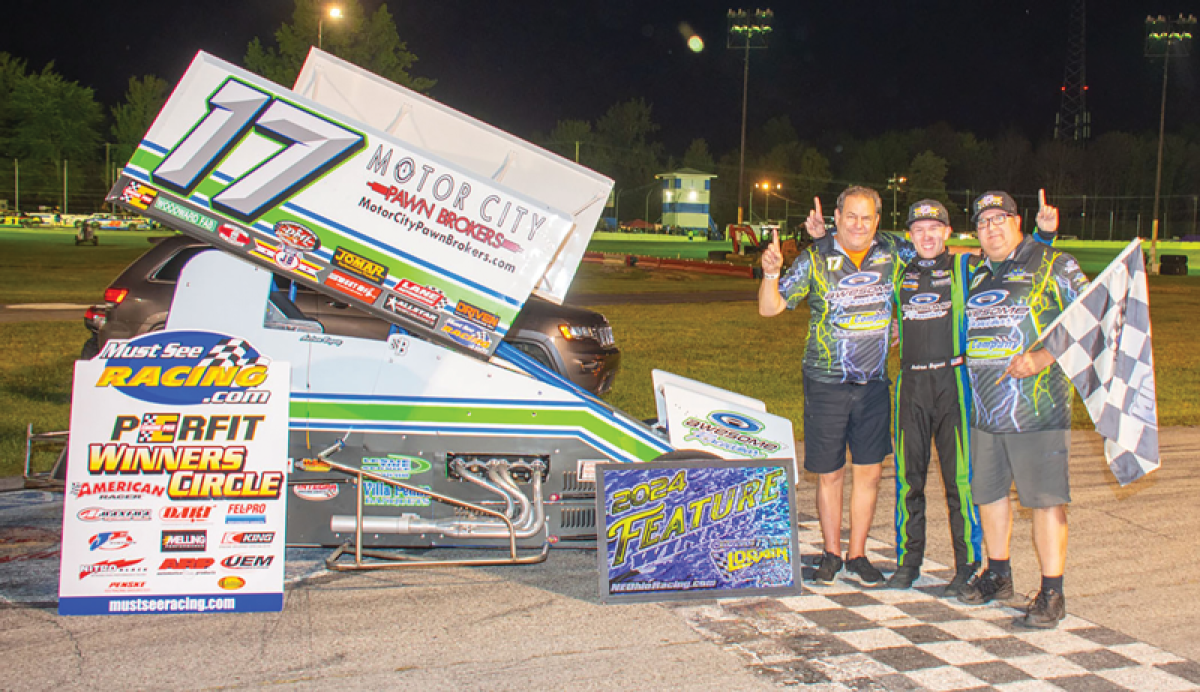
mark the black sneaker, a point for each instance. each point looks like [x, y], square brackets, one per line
[962, 575]
[1047, 608]
[830, 565]
[986, 587]
[904, 577]
[867, 574]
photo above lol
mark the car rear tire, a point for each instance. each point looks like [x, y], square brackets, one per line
[91, 348]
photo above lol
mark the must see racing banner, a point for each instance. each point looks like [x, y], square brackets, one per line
[176, 478]
[708, 528]
[260, 171]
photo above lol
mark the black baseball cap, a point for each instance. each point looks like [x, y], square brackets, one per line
[928, 209]
[993, 199]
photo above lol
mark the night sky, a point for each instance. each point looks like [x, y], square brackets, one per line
[835, 68]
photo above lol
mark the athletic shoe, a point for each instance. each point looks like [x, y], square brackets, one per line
[986, 587]
[830, 565]
[904, 577]
[961, 576]
[1047, 608]
[867, 574]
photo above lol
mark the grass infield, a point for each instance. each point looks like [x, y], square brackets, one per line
[724, 344]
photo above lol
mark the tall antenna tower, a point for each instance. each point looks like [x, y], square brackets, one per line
[1074, 121]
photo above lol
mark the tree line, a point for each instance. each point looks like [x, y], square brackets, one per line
[58, 135]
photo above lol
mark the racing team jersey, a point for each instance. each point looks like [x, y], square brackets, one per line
[851, 307]
[1008, 306]
[930, 294]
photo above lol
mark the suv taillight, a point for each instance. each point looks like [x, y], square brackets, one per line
[115, 295]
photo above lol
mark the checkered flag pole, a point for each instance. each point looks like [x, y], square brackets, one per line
[230, 353]
[1102, 342]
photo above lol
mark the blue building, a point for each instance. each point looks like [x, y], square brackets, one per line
[685, 200]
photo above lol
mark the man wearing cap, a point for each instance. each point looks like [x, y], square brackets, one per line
[847, 280]
[932, 395]
[1021, 417]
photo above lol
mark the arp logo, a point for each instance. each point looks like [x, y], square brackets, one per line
[187, 513]
[248, 561]
[186, 563]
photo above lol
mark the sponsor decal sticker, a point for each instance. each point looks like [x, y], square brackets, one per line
[117, 490]
[181, 368]
[467, 334]
[110, 540]
[187, 214]
[139, 195]
[425, 295]
[377, 494]
[100, 514]
[730, 432]
[184, 541]
[313, 465]
[111, 568]
[185, 565]
[317, 492]
[126, 587]
[360, 266]
[352, 287]
[986, 299]
[234, 234]
[285, 258]
[189, 514]
[477, 315]
[231, 583]
[248, 561]
[248, 539]
[407, 309]
[859, 280]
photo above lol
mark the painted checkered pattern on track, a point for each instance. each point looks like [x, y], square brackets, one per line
[849, 637]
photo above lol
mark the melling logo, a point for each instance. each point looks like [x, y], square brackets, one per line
[316, 492]
[184, 541]
[100, 514]
[191, 515]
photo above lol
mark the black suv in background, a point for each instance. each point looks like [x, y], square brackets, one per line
[574, 342]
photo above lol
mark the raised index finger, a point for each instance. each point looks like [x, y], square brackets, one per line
[817, 204]
[1041, 197]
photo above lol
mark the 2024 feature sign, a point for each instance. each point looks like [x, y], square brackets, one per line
[707, 528]
[176, 478]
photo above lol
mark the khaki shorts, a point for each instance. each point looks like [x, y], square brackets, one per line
[1037, 461]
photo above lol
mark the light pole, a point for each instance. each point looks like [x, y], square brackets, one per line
[335, 12]
[894, 184]
[747, 30]
[765, 186]
[1164, 37]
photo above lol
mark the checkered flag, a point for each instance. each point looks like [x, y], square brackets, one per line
[1102, 342]
[231, 353]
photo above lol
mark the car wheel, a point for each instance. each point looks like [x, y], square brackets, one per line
[91, 348]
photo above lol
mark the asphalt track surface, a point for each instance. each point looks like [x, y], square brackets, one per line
[1132, 583]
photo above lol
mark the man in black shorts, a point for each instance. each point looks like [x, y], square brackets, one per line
[1021, 414]
[847, 280]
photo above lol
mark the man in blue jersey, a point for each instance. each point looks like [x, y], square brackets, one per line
[1021, 414]
[847, 281]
